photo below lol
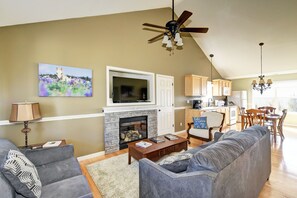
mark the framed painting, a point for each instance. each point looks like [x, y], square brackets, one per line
[57, 80]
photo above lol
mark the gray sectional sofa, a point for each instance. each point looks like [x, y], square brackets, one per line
[58, 169]
[236, 164]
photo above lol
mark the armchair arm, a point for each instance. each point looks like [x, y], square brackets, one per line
[48, 155]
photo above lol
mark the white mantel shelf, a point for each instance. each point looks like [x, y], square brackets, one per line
[129, 108]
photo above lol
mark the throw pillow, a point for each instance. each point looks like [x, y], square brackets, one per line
[177, 163]
[200, 122]
[22, 174]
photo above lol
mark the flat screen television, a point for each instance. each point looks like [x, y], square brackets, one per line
[129, 90]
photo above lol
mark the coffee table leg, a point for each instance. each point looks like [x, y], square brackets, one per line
[129, 158]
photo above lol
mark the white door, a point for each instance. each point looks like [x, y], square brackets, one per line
[165, 102]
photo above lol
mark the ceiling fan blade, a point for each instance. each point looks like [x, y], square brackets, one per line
[156, 38]
[155, 26]
[183, 17]
[192, 29]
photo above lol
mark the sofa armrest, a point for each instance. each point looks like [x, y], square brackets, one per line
[49, 155]
[217, 136]
[155, 181]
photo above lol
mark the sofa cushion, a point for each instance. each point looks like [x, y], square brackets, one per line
[68, 188]
[216, 156]
[244, 139]
[227, 134]
[22, 174]
[257, 131]
[176, 163]
[56, 171]
[200, 122]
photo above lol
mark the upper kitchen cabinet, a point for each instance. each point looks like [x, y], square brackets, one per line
[195, 85]
[221, 87]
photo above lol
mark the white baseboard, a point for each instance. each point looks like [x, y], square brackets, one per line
[93, 155]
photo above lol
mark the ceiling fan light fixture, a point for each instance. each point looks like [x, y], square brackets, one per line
[177, 37]
[179, 42]
[169, 44]
[165, 39]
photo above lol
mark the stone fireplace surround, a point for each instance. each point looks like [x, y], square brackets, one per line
[111, 125]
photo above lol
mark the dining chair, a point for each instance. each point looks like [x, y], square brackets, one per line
[255, 117]
[213, 122]
[244, 119]
[268, 109]
[281, 122]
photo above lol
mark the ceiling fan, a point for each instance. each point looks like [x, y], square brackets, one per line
[173, 29]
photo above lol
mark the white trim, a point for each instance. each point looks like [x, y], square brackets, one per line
[58, 118]
[130, 108]
[132, 73]
[93, 155]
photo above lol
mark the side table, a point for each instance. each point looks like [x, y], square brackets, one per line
[36, 146]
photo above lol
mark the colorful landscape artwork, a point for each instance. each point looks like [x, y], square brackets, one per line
[57, 80]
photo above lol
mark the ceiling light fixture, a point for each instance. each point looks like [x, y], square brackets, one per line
[211, 56]
[261, 86]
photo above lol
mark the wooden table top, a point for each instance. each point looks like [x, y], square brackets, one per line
[156, 146]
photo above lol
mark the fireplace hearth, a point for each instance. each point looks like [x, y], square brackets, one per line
[132, 129]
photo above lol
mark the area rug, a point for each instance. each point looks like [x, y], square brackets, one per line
[115, 178]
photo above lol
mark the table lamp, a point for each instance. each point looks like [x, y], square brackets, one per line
[25, 112]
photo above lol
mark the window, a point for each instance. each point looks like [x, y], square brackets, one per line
[282, 95]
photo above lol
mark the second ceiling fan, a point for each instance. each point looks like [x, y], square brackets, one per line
[173, 29]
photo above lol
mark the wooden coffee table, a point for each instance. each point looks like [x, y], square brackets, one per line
[157, 150]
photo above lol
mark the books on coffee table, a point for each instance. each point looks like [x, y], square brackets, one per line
[171, 137]
[143, 144]
[157, 139]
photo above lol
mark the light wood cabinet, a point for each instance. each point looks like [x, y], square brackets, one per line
[195, 85]
[190, 113]
[221, 87]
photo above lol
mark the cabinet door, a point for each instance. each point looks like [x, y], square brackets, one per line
[204, 86]
[196, 86]
[216, 88]
[190, 113]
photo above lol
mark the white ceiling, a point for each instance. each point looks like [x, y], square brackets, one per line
[236, 27]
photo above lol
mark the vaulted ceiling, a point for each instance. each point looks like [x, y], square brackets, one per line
[236, 27]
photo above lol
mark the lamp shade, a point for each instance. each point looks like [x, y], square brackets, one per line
[25, 111]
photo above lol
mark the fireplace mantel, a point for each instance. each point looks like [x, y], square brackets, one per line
[129, 108]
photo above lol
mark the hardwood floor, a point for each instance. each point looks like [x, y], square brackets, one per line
[283, 178]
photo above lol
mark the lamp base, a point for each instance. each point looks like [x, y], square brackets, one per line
[26, 130]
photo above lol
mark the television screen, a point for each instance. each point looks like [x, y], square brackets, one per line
[129, 90]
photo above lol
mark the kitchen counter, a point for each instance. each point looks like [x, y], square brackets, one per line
[190, 113]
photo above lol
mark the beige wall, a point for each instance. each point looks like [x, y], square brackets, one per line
[93, 42]
[245, 84]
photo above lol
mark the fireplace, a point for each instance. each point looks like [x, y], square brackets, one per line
[132, 129]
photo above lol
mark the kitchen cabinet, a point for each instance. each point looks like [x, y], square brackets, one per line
[221, 87]
[195, 85]
[190, 113]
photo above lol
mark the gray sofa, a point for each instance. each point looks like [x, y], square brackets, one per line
[58, 169]
[236, 164]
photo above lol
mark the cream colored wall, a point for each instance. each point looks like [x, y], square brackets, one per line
[245, 84]
[93, 42]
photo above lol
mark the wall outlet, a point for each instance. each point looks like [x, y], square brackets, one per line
[180, 124]
[188, 101]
